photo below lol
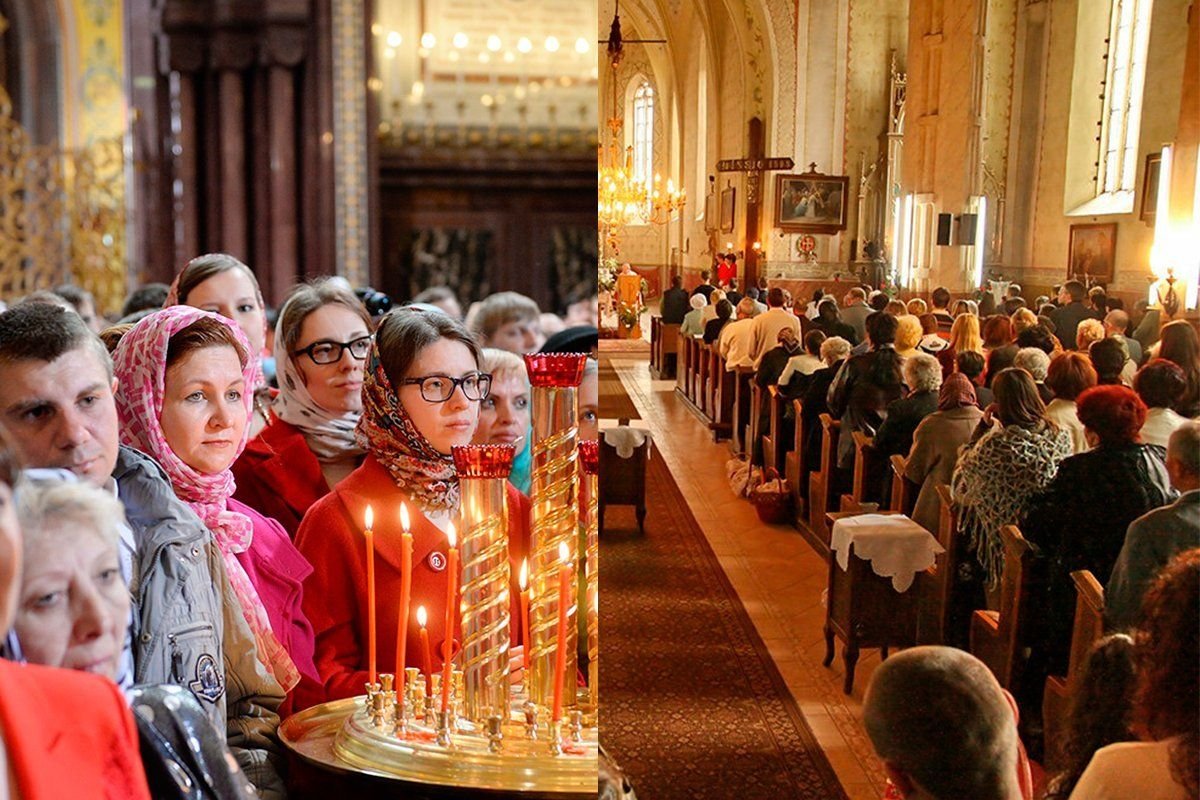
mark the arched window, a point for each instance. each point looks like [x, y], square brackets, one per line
[643, 133]
[1129, 33]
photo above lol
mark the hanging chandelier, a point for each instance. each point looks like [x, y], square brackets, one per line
[622, 199]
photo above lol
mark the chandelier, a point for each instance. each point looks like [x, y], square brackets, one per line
[622, 199]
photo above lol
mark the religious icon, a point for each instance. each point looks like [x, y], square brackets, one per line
[1092, 252]
[811, 202]
[727, 205]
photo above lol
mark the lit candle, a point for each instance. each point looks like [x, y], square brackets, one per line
[421, 620]
[564, 600]
[451, 602]
[406, 550]
[524, 582]
[370, 518]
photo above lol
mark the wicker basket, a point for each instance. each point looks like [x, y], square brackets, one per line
[772, 505]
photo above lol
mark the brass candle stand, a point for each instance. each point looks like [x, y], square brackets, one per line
[589, 460]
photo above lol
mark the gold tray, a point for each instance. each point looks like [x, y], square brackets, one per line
[340, 737]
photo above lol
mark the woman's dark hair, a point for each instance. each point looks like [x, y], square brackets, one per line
[724, 309]
[999, 360]
[881, 328]
[885, 366]
[306, 298]
[970, 364]
[1181, 345]
[827, 310]
[1069, 375]
[812, 342]
[1108, 357]
[997, 331]
[204, 332]
[1114, 413]
[201, 268]
[1160, 383]
[404, 332]
[1017, 399]
[1101, 709]
[1168, 662]
[1038, 336]
[929, 324]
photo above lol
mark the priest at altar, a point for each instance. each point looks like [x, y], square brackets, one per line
[630, 303]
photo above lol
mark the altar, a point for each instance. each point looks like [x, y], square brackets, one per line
[802, 279]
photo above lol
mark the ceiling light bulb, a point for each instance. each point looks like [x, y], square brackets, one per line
[460, 40]
[581, 45]
[524, 45]
[394, 39]
[493, 43]
[428, 40]
[551, 44]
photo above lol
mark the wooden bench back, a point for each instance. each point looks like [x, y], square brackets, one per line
[997, 638]
[904, 497]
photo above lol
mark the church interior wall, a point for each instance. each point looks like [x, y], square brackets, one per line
[1049, 234]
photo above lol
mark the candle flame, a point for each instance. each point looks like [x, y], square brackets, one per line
[370, 516]
[564, 554]
[523, 580]
[451, 535]
[404, 521]
[422, 617]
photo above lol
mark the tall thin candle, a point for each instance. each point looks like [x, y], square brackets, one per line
[370, 537]
[528, 642]
[560, 644]
[427, 661]
[406, 551]
[451, 603]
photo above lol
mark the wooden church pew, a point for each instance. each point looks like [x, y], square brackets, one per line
[721, 413]
[773, 445]
[904, 492]
[1087, 630]
[937, 586]
[821, 485]
[663, 338]
[998, 637]
[797, 478]
[867, 461]
[741, 411]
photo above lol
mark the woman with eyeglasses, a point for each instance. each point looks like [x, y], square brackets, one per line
[421, 397]
[321, 345]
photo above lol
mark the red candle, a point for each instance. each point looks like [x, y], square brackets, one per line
[406, 551]
[421, 620]
[524, 581]
[451, 602]
[370, 518]
[564, 600]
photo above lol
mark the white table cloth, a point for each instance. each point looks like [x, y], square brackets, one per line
[897, 547]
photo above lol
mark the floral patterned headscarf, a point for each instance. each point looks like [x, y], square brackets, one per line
[389, 433]
[140, 363]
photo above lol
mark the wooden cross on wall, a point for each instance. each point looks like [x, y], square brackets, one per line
[754, 166]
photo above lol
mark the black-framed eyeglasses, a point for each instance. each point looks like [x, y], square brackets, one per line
[331, 352]
[440, 388]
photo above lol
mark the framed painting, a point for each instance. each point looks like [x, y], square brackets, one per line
[1150, 187]
[1092, 253]
[710, 212]
[728, 196]
[811, 202]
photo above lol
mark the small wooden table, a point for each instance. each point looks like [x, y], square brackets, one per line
[864, 610]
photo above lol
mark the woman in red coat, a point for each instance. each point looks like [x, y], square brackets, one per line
[421, 398]
[321, 344]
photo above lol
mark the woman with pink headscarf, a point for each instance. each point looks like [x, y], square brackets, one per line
[185, 396]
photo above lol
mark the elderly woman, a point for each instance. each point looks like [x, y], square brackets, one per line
[1069, 375]
[1160, 384]
[421, 398]
[834, 352]
[184, 399]
[62, 734]
[923, 377]
[73, 613]
[321, 344]
[1035, 361]
[220, 283]
[1006, 466]
[908, 335]
[1079, 519]
[691, 325]
[936, 444]
[504, 415]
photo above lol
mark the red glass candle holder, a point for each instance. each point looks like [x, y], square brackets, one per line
[484, 460]
[558, 370]
[589, 456]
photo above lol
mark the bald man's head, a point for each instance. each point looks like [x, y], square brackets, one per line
[941, 723]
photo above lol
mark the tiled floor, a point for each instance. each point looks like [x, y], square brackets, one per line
[775, 572]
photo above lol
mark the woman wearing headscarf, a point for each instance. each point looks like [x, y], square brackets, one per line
[185, 400]
[936, 443]
[692, 324]
[321, 344]
[421, 397]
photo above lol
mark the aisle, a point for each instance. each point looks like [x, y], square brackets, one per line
[776, 575]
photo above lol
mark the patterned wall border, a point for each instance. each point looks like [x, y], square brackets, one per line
[351, 210]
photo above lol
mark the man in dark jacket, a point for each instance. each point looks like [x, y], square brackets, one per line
[705, 288]
[1071, 312]
[674, 302]
[732, 294]
[829, 322]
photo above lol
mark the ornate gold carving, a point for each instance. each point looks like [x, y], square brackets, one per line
[62, 216]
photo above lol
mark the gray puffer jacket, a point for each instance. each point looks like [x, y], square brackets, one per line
[190, 630]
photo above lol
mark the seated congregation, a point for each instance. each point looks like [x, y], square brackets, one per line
[1051, 450]
[182, 498]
